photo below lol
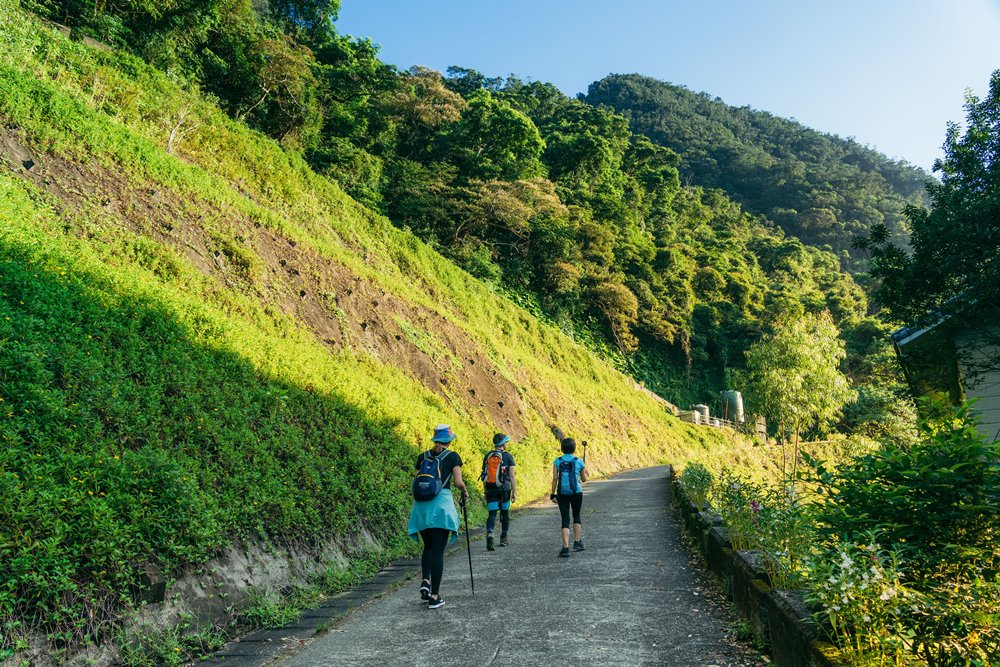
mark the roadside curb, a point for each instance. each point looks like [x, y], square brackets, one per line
[261, 646]
[777, 617]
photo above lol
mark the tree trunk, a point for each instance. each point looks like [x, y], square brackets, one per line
[795, 462]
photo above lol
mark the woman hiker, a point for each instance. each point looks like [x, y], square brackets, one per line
[567, 473]
[435, 520]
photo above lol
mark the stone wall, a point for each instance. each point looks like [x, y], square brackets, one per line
[777, 617]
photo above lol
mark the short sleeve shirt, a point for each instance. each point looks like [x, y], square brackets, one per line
[579, 465]
[449, 461]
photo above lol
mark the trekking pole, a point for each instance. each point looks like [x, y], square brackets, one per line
[584, 452]
[468, 544]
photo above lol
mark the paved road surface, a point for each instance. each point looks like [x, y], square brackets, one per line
[632, 598]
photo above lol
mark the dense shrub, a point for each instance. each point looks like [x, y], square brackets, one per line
[950, 479]
[696, 481]
[937, 505]
[898, 546]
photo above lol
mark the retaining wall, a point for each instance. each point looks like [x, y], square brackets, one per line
[777, 617]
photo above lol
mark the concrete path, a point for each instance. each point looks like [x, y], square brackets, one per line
[632, 598]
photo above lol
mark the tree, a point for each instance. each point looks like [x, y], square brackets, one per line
[793, 377]
[495, 141]
[466, 81]
[354, 79]
[287, 106]
[522, 222]
[953, 267]
[620, 308]
[884, 410]
[313, 17]
[421, 108]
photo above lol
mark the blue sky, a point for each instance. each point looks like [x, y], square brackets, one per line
[890, 73]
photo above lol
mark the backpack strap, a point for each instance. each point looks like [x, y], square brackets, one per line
[441, 457]
[428, 457]
[486, 457]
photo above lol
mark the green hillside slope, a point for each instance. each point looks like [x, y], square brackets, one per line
[202, 339]
[555, 202]
[821, 188]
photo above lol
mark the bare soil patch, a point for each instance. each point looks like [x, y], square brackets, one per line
[341, 308]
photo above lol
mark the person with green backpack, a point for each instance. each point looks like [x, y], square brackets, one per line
[568, 474]
[500, 489]
[433, 516]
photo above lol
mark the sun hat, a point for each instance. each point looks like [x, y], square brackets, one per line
[443, 433]
[500, 439]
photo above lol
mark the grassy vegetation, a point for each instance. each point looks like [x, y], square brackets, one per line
[150, 413]
[886, 589]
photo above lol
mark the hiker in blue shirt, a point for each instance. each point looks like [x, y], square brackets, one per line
[435, 520]
[568, 473]
[500, 488]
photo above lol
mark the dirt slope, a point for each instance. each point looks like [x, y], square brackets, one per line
[341, 308]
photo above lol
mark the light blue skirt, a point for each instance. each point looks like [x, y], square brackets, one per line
[437, 513]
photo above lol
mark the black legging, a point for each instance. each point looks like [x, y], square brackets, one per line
[432, 559]
[565, 503]
[491, 521]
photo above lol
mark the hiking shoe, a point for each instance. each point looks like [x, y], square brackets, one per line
[565, 552]
[489, 543]
[504, 541]
[434, 604]
[425, 590]
[578, 545]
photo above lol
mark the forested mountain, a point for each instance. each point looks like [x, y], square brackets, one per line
[209, 350]
[244, 264]
[823, 189]
[561, 205]
[555, 202]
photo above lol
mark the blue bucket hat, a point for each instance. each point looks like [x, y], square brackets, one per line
[500, 439]
[443, 433]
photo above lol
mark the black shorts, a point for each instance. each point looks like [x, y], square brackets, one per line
[499, 496]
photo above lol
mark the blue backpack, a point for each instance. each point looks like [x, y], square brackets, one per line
[428, 483]
[568, 484]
